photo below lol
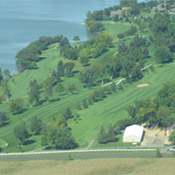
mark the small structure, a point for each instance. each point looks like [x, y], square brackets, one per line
[121, 13]
[114, 13]
[133, 134]
[126, 8]
[159, 8]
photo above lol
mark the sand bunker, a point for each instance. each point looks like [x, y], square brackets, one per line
[142, 85]
[112, 22]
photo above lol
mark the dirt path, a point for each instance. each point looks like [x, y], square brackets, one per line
[90, 144]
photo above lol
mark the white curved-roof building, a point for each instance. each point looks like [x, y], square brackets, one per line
[133, 134]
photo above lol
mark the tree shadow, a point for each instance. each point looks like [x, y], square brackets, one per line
[29, 142]
[21, 111]
[54, 100]
[40, 102]
[75, 71]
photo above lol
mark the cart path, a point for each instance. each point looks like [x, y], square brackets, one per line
[121, 80]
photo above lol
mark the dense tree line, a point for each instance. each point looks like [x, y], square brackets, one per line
[106, 137]
[27, 57]
[163, 28]
[158, 112]
[4, 83]
[57, 138]
[127, 63]
[93, 20]
[54, 135]
[92, 48]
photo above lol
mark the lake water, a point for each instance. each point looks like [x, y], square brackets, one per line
[23, 21]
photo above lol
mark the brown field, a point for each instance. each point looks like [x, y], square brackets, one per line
[112, 166]
[142, 85]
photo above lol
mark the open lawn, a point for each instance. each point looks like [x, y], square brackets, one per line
[112, 166]
[116, 28]
[102, 113]
[112, 109]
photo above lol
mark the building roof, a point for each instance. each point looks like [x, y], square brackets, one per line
[133, 130]
[126, 8]
[118, 12]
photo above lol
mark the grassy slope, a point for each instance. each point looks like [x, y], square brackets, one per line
[102, 113]
[113, 108]
[111, 166]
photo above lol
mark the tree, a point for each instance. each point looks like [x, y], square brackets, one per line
[128, 3]
[2, 98]
[117, 130]
[69, 68]
[48, 86]
[56, 75]
[163, 55]
[64, 139]
[60, 69]
[59, 138]
[111, 134]
[36, 125]
[21, 132]
[116, 18]
[163, 115]
[76, 38]
[61, 122]
[113, 87]
[120, 87]
[6, 87]
[85, 105]
[68, 113]
[72, 88]
[3, 118]
[158, 153]
[84, 60]
[172, 137]
[17, 106]
[90, 101]
[95, 27]
[60, 88]
[34, 92]
[166, 95]
[89, 76]
[6, 73]
[136, 74]
[1, 76]
[79, 107]
[102, 136]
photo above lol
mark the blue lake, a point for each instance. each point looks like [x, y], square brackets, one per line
[23, 21]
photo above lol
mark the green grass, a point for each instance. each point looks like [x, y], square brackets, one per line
[116, 28]
[2, 143]
[112, 109]
[102, 113]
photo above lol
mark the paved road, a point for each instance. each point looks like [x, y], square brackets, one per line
[115, 155]
[78, 151]
[98, 154]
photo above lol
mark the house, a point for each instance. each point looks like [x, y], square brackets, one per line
[126, 8]
[133, 134]
[121, 13]
[159, 8]
[114, 13]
